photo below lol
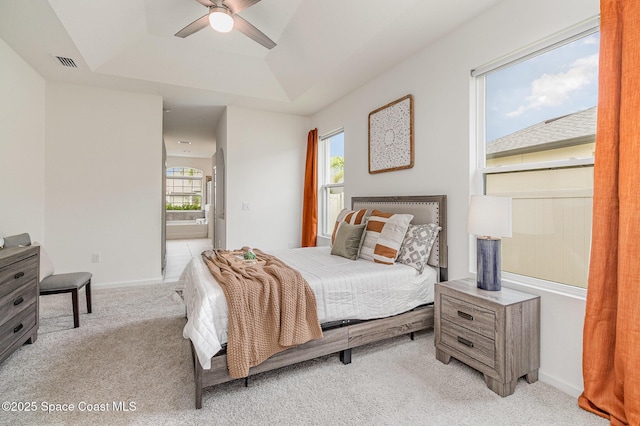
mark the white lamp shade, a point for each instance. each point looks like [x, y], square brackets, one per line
[489, 216]
[221, 21]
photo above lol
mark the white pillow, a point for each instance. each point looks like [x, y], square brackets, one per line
[384, 235]
[46, 265]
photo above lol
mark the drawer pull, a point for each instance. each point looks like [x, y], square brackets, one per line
[19, 275]
[18, 328]
[18, 301]
[465, 315]
[465, 342]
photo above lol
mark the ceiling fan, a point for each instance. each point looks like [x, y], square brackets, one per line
[223, 17]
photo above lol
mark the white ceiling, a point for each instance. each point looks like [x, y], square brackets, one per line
[325, 49]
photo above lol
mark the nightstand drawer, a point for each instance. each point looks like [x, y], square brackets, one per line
[469, 343]
[18, 274]
[18, 326]
[15, 302]
[469, 316]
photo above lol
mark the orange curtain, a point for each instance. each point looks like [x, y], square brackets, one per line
[310, 202]
[611, 340]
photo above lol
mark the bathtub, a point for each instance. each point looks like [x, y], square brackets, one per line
[186, 229]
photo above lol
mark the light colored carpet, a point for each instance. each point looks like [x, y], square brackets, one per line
[131, 350]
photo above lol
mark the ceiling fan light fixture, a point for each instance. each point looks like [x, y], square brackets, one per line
[221, 20]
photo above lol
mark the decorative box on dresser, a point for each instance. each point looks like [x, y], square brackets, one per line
[494, 332]
[19, 297]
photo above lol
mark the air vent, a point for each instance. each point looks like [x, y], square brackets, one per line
[67, 62]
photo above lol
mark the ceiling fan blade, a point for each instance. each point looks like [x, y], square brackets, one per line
[194, 27]
[236, 6]
[208, 3]
[252, 32]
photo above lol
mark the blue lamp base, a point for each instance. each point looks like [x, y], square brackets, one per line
[489, 264]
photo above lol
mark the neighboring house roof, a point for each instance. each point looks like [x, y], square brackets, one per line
[568, 130]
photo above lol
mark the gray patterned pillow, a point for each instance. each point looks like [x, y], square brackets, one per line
[417, 244]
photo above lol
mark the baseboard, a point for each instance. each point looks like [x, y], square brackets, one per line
[122, 284]
[559, 384]
[187, 236]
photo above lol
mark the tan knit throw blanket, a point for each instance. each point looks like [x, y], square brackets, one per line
[271, 308]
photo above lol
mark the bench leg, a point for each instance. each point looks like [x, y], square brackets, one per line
[76, 311]
[88, 290]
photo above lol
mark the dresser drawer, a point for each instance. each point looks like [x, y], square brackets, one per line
[18, 274]
[469, 343]
[469, 316]
[18, 326]
[15, 302]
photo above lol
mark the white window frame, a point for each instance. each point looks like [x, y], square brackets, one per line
[324, 185]
[478, 155]
[178, 177]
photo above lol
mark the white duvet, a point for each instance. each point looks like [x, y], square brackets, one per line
[344, 289]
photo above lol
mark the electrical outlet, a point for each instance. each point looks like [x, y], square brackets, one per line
[95, 258]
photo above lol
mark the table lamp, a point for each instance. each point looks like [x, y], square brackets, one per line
[490, 220]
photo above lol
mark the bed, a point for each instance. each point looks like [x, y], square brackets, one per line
[390, 300]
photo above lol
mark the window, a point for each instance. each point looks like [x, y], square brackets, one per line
[536, 126]
[331, 176]
[184, 189]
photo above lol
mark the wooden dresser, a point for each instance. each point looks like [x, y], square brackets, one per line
[19, 296]
[495, 332]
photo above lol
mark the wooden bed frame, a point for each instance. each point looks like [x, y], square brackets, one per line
[345, 336]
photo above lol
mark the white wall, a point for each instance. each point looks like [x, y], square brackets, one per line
[220, 232]
[103, 191]
[22, 118]
[265, 161]
[439, 78]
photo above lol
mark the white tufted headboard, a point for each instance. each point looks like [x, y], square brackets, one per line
[425, 209]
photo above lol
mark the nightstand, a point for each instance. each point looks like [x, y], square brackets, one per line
[19, 297]
[494, 332]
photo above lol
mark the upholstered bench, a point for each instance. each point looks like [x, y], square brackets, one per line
[69, 283]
